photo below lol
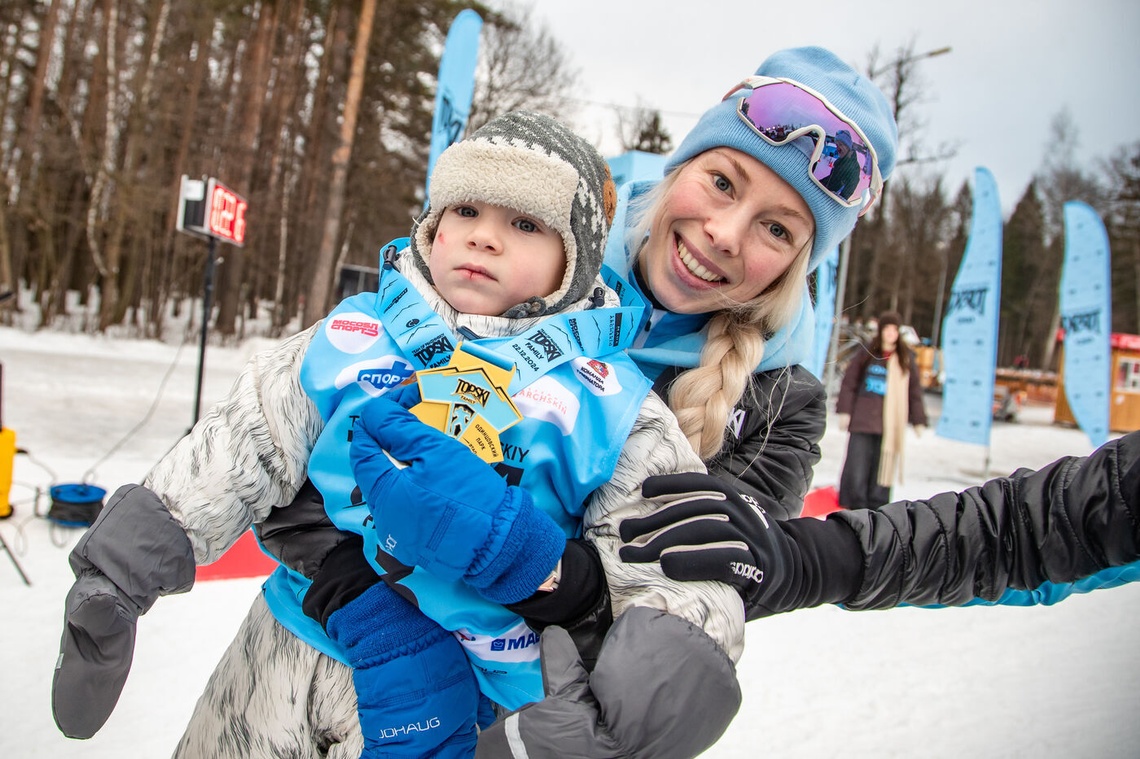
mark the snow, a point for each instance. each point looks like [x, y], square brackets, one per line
[1057, 681]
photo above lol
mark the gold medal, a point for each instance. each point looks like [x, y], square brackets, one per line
[467, 399]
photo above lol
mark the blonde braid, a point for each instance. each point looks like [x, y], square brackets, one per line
[703, 397]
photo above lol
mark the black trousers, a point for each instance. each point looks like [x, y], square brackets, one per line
[859, 486]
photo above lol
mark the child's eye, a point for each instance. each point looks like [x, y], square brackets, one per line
[527, 225]
[466, 211]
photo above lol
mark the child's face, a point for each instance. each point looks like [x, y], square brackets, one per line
[485, 259]
[727, 229]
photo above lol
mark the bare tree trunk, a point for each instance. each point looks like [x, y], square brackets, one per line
[197, 74]
[8, 282]
[317, 302]
[281, 110]
[311, 182]
[29, 134]
[125, 205]
[248, 138]
[108, 269]
[18, 249]
[1051, 339]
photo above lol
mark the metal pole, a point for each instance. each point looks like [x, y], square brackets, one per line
[15, 563]
[207, 305]
[840, 290]
[936, 329]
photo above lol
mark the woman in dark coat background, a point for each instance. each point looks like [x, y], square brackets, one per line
[880, 394]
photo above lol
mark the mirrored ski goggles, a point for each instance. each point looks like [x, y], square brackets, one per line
[842, 163]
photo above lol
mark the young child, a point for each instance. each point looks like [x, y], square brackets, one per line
[509, 250]
[505, 258]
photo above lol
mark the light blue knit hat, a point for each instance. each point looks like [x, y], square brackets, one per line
[848, 90]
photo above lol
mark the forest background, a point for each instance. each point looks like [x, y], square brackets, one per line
[319, 113]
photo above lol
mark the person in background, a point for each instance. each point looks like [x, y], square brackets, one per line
[879, 395]
[844, 177]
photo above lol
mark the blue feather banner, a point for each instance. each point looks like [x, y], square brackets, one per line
[456, 85]
[970, 329]
[1086, 318]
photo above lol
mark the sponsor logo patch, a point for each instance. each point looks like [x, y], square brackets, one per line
[353, 332]
[755, 574]
[548, 401]
[598, 376]
[518, 644]
[387, 733]
[375, 376]
[435, 352]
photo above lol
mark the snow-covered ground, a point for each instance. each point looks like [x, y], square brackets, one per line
[1061, 681]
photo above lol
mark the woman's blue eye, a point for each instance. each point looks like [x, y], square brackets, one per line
[721, 183]
[778, 230]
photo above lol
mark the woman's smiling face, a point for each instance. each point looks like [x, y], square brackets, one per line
[725, 231]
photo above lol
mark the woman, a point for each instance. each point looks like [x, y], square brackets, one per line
[720, 249]
[714, 526]
[879, 395]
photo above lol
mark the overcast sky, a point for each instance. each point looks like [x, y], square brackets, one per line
[1014, 65]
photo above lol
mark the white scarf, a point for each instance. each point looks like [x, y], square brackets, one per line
[896, 408]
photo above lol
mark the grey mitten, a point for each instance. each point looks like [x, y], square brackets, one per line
[133, 553]
[662, 688]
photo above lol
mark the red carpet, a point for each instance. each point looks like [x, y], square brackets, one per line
[244, 559]
[821, 502]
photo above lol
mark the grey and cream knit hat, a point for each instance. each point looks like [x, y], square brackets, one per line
[536, 165]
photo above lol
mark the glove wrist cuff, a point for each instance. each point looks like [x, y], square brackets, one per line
[136, 542]
[830, 561]
[532, 548]
[380, 625]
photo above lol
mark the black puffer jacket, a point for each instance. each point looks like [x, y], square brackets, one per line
[1060, 524]
[773, 438]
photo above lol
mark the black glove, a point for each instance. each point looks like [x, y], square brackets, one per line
[132, 554]
[705, 530]
[580, 604]
[662, 689]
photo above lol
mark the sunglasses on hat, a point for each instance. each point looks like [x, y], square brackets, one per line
[842, 162]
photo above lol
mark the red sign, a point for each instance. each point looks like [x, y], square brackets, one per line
[1124, 341]
[225, 213]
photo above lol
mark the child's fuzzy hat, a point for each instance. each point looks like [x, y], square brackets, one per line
[853, 94]
[534, 164]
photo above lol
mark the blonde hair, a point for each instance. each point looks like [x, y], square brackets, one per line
[702, 398]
